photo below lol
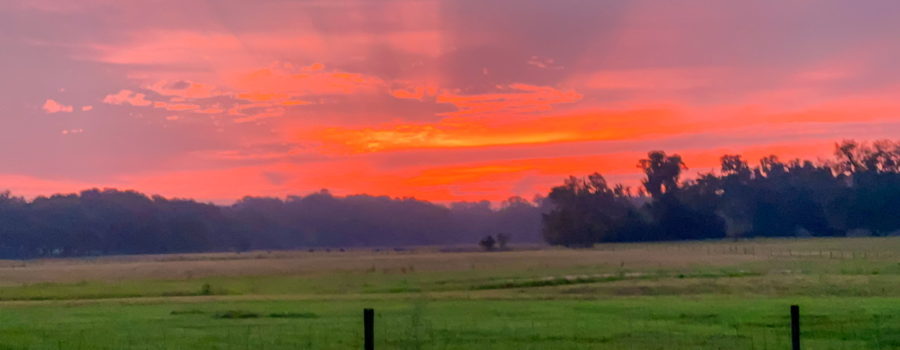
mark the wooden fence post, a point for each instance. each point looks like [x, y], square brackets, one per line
[369, 328]
[795, 327]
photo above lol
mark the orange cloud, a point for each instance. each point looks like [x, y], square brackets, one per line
[261, 96]
[415, 93]
[269, 90]
[71, 131]
[602, 124]
[126, 96]
[294, 103]
[51, 106]
[470, 132]
[184, 89]
[181, 107]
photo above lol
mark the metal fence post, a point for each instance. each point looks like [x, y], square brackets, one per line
[369, 328]
[795, 327]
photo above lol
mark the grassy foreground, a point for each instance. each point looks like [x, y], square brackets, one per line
[709, 295]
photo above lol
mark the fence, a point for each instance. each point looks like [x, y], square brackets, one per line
[369, 328]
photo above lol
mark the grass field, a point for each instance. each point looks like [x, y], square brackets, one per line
[708, 295]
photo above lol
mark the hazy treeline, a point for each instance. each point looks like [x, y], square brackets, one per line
[110, 221]
[857, 192]
[321, 219]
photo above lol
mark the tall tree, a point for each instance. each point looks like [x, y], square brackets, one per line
[662, 172]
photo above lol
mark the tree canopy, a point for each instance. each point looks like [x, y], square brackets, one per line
[857, 191]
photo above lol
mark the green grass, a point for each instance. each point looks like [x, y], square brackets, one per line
[697, 295]
[626, 323]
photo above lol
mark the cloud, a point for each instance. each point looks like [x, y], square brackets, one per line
[126, 96]
[72, 131]
[415, 92]
[50, 106]
[478, 132]
[270, 91]
[175, 106]
[184, 89]
[641, 120]
[543, 63]
[87, 108]
[512, 99]
[265, 113]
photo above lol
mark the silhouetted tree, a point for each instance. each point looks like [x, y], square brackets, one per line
[662, 172]
[487, 243]
[585, 211]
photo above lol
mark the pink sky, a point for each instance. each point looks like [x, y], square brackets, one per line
[439, 100]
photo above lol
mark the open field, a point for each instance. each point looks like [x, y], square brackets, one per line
[728, 295]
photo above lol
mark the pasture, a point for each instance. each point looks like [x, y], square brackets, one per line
[671, 295]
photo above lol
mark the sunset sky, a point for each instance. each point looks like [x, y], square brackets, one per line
[440, 100]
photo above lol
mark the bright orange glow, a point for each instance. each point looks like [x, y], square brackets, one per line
[466, 132]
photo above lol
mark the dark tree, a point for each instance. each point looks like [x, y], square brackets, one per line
[662, 172]
[487, 243]
[585, 211]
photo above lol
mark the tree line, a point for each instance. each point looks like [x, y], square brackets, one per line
[111, 221]
[857, 192]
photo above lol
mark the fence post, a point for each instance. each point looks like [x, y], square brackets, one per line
[369, 328]
[795, 327]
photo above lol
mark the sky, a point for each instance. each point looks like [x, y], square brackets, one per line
[445, 100]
